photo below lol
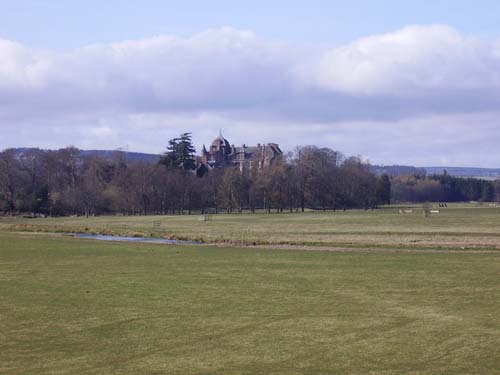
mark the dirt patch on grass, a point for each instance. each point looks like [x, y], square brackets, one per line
[373, 250]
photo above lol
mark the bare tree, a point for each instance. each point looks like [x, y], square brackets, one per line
[11, 180]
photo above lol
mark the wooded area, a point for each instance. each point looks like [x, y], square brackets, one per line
[64, 182]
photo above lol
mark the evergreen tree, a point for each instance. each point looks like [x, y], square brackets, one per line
[186, 152]
[180, 154]
[170, 158]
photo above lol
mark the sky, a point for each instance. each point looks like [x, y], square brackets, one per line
[396, 82]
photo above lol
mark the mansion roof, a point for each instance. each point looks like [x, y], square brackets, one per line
[222, 154]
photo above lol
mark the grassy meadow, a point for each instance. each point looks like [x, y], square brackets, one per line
[396, 294]
[457, 227]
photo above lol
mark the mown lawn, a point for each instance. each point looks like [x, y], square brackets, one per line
[72, 306]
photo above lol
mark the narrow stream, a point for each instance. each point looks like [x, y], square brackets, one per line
[103, 237]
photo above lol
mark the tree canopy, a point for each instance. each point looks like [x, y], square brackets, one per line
[66, 182]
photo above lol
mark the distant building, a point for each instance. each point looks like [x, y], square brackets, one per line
[223, 155]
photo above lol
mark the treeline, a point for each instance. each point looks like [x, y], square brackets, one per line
[443, 188]
[63, 182]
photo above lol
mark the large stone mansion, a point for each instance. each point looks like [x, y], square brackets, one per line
[223, 155]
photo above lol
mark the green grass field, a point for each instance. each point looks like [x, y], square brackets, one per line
[456, 228]
[385, 304]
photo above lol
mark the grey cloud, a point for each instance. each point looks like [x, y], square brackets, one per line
[354, 96]
[416, 69]
[455, 140]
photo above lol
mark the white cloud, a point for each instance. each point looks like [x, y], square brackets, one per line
[411, 61]
[353, 96]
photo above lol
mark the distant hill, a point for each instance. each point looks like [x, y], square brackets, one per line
[108, 154]
[131, 156]
[484, 173]
[464, 172]
[398, 170]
